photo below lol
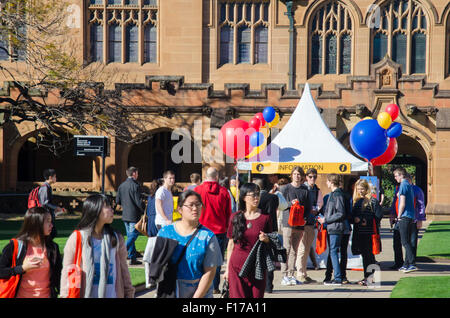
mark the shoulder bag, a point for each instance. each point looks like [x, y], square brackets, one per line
[74, 272]
[8, 286]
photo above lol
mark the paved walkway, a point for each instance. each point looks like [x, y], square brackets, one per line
[317, 290]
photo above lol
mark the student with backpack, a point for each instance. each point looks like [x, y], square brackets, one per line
[42, 197]
[37, 259]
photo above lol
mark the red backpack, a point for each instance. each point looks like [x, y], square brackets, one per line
[33, 198]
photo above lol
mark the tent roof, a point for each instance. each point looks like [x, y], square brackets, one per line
[307, 141]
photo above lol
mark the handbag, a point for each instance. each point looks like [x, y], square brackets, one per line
[168, 286]
[296, 214]
[225, 292]
[376, 240]
[8, 286]
[321, 240]
[74, 272]
[141, 225]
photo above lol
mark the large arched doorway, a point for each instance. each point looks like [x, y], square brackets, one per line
[33, 160]
[153, 157]
[411, 155]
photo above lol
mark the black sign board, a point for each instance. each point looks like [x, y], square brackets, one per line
[91, 146]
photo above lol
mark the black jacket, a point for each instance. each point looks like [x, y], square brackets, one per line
[268, 203]
[262, 257]
[335, 212]
[162, 253]
[54, 258]
[368, 215]
[129, 197]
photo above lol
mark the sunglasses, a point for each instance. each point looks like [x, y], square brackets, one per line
[255, 195]
[312, 177]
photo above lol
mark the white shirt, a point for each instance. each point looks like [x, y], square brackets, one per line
[167, 203]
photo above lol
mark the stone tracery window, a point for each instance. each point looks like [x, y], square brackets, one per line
[402, 34]
[331, 39]
[122, 31]
[243, 31]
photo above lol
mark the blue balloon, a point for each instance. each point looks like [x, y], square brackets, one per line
[257, 139]
[394, 130]
[269, 114]
[368, 140]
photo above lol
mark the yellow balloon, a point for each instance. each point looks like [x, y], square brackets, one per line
[368, 117]
[275, 121]
[384, 120]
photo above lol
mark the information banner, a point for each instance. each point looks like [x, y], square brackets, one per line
[286, 167]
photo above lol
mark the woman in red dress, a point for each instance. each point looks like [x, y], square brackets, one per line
[246, 227]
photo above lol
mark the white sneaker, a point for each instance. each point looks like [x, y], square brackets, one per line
[285, 281]
[292, 281]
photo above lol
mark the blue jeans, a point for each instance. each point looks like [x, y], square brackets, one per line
[223, 241]
[335, 244]
[132, 235]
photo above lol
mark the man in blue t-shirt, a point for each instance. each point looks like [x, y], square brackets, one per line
[406, 216]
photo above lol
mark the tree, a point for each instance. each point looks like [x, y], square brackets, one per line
[56, 90]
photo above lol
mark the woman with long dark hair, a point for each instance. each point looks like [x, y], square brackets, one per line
[103, 256]
[247, 226]
[39, 262]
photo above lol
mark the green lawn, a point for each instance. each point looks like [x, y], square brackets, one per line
[9, 229]
[422, 287]
[435, 242]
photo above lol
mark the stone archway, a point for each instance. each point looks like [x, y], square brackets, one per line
[153, 157]
[32, 160]
[411, 152]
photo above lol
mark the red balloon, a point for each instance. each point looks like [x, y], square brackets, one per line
[234, 138]
[388, 155]
[254, 123]
[261, 118]
[393, 110]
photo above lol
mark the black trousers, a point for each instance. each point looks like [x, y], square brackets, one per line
[343, 260]
[365, 246]
[398, 252]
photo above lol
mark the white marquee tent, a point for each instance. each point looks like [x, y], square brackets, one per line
[306, 141]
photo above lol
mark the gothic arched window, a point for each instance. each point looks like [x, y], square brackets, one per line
[401, 34]
[243, 31]
[331, 39]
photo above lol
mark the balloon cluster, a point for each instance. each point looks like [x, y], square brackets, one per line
[375, 140]
[240, 139]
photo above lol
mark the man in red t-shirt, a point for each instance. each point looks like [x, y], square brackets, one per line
[216, 212]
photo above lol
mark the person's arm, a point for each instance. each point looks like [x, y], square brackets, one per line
[230, 248]
[205, 282]
[129, 290]
[5, 263]
[68, 260]
[401, 204]
[160, 210]
[137, 198]
[44, 198]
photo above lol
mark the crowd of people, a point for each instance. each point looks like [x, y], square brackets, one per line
[251, 222]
